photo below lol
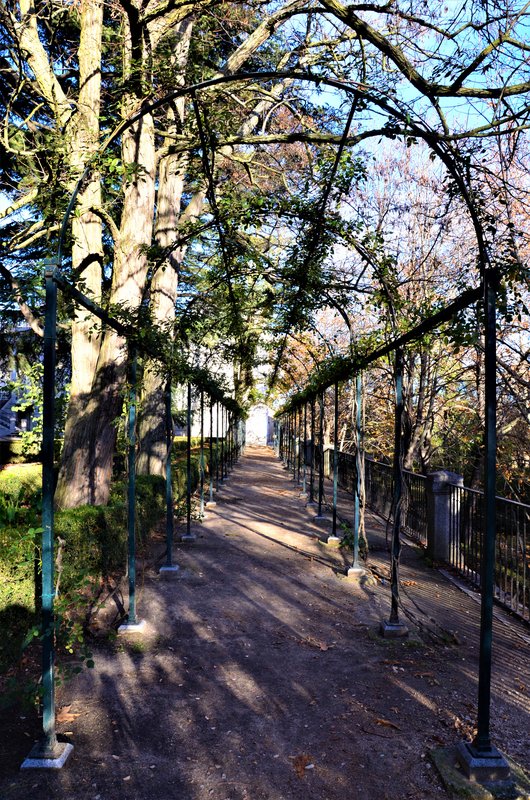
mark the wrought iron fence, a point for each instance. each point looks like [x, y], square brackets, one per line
[512, 547]
[379, 487]
[415, 506]
[512, 556]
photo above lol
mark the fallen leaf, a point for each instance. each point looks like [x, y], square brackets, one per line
[65, 715]
[322, 646]
[300, 764]
[387, 724]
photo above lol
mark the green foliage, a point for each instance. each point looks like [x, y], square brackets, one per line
[20, 490]
[28, 388]
[17, 591]
[26, 479]
[93, 540]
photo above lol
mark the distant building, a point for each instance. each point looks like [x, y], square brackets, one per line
[12, 422]
[259, 425]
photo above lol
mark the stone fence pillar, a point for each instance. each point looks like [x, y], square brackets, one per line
[328, 460]
[440, 514]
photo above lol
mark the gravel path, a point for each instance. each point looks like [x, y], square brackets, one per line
[262, 676]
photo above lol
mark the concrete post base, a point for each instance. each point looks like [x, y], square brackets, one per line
[132, 627]
[211, 504]
[333, 541]
[188, 537]
[38, 759]
[480, 766]
[322, 520]
[355, 573]
[167, 572]
[393, 630]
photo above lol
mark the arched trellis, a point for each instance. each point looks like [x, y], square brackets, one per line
[488, 275]
[49, 751]
[481, 753]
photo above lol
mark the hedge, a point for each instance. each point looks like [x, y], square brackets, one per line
[92, 539]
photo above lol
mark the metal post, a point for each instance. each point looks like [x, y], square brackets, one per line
[304, 471]
[358, 464]
[312, 465]
[170, 518]
[481, 759]
[202, 455]
[222, 444]
[299, 440]
[48, 751]
[321, 459]
[132, 623]
[394, 627]
[210, 449]
[356, 571]
[334, 537]
[217, 447]
[188, 463]
[131, 489]
[49, 743]
[295, 440]
[229, 428]
[288, 424]
[228, 442]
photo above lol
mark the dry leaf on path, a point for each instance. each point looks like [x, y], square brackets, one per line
[300, 763]
[387, 724]
[317, 643]
[65, 715]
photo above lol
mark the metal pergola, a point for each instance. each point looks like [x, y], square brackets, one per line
[481, 754]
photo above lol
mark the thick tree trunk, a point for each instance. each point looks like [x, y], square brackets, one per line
[87, 248]
[152, 454]
[151, 424]
[87, 465]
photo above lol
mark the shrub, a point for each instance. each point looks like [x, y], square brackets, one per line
[94, 542]
[17, 452]
[17, 590]
[22, 482]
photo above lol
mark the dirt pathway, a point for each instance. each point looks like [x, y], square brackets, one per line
[262, 676]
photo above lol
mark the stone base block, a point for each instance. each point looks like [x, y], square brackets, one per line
[188, 537]
[167, 572]
[38, 759]
[393, 630]
[482, 767]
[132, 627]
[455, 780]
[333, 541]
[355, 573]
[322, 520]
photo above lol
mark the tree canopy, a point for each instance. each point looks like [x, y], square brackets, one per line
[234, 177]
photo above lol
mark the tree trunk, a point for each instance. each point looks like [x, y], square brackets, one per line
[87, 463]
[87, 248]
